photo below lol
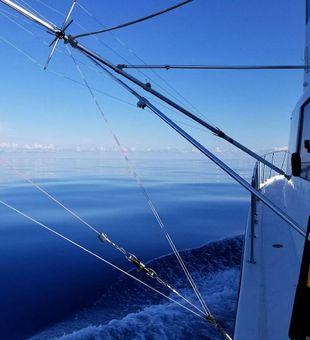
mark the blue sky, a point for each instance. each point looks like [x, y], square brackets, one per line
[43, 108]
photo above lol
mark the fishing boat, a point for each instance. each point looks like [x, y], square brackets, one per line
[275, 278]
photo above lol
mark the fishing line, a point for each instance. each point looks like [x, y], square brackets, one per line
[126, 60]
[130, 167]
[131, 51]
[143, 190]
[95, 69]
[61, 75]
[103, 237]
[98, 257]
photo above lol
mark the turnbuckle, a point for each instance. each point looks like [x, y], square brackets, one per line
[141, 266]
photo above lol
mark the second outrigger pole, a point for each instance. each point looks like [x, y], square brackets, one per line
[147, 87]
[68, 39]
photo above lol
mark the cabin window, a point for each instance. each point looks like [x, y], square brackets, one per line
[304, 143]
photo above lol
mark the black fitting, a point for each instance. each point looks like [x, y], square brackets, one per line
[69, 39]
[221, 134]
[211, 320]
[147, 86]
[142, 103]
[134, 260]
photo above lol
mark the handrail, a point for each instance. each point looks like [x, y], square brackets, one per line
[280, 161]
[255, 185]
[259, 178]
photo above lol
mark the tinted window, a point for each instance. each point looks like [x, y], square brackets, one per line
[304, 143]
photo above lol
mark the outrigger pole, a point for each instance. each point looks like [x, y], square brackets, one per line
[148, 87]
[68, 39]
[60, 34]
[143, 103]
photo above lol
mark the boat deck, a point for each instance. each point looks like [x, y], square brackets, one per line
[263, 313]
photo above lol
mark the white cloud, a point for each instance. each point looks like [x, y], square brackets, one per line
[26, 147]
[280, 148]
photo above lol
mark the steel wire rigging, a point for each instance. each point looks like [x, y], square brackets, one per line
[131, 258]
[143, 103]
[66, 77]
[182, 99]
[143, 190]
[133, 22]
[19, 212]
[102, 236]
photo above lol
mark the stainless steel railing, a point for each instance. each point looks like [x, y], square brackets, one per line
[261, 173]
[277, 158]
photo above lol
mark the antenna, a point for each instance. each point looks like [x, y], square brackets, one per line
[60, 34]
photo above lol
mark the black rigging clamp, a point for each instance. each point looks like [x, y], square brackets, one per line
[142, 104]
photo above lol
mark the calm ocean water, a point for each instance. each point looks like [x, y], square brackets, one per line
[50, 289]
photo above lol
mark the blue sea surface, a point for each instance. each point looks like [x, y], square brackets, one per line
[51, 289]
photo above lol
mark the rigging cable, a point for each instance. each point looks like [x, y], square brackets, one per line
[145, 103]
[98, 257]
[103, 237]
[139, 58]
[150, 16]
[183, 100]
[143, 190]
[86, 223]
[61, 75]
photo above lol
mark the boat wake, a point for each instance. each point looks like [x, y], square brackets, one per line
[131, 311]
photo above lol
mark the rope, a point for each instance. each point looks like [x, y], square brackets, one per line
[97, 256]
[143, 190]
[134, 21]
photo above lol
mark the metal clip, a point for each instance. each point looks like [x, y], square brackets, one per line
[150, 272]
[147, 86]
[141, 266]
[142, 103]
[211, 320]
[134, 260]
[103, 237]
